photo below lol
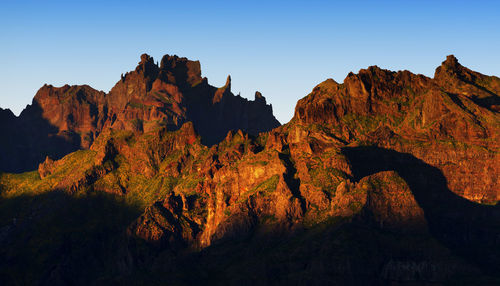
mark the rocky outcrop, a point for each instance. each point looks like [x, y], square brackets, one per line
[481, 89]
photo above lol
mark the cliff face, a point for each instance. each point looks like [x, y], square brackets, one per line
[59, 121]
[389, 177]
[65, 119]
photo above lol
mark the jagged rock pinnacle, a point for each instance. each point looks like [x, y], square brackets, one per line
[451, 60]
[146, 58]
[228, 83]
[259, 97]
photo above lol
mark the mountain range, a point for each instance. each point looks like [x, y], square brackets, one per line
[69, 118]
[386, 178]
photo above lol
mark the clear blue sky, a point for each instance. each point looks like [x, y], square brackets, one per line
[282, 49]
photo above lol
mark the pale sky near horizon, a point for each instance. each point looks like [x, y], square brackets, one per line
[281, 48]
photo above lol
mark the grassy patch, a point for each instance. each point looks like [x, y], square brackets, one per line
[267, 186]
[327, 178]
[363, 123]
[145, 191]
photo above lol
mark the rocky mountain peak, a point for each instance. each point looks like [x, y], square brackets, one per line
[259, 97]
[223, 91]
[228, 83]
[451, 61]
[145, 58]
[450, 68]
[457, 79]
[147, 67]
[180, 70]
[6, 114]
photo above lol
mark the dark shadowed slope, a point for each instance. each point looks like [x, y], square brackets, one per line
[469, 228]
